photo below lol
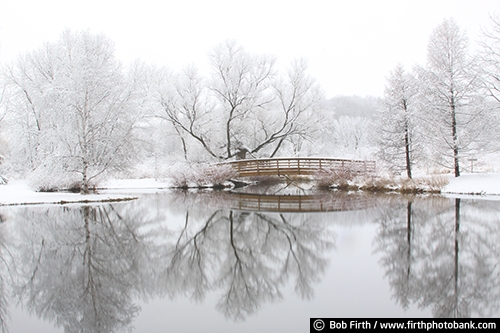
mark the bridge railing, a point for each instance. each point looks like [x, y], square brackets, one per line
[299, 166]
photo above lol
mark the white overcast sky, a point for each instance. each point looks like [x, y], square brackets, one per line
[351, 45]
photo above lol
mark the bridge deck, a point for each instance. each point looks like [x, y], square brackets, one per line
[299, 166]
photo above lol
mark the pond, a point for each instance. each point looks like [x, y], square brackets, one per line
[246, 262]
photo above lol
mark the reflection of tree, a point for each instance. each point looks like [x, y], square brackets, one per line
[5, 262]
[445, 258]
[82, 266]
[249, 256]
[465, 269]
[399, 240]
[396, 240]
[446, 298]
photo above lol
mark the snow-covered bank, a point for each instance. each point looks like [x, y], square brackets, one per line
[135, 185]
[476, 184]
[17, 192]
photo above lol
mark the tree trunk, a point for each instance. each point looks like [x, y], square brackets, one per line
[407, 152]
[85, 180]
[456, 163]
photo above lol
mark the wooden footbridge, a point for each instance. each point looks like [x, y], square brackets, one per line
[300, 166]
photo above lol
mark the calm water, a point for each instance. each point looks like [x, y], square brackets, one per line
[221, 262]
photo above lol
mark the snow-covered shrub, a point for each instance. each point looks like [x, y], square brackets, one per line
[326, 178]
[379, 184]
[201, 175]
[181, 175]
[51, 178]
[433, 184]
[218, 174]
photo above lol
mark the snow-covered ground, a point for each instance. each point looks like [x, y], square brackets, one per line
[479, 183]
[17, 192]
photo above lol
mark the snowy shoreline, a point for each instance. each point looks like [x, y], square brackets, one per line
[17, 192]
[478, 184]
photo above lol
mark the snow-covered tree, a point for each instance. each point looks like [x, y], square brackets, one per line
[294, 117]
[184, 103]
[346, 128]
[490, 56]
[243, 106]
[457, 119]
[398, 130]
[75, 108]
[351, 137]
[241, 83]
[490, 66]
[2, 117]
[29, 109]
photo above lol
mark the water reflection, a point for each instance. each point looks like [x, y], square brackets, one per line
[268, 203]
[443, 254]
[86, 268]
[4, 272]
[81, 267]
[248, 257]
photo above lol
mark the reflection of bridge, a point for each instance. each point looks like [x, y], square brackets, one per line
[299, 166]
[298, 203]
